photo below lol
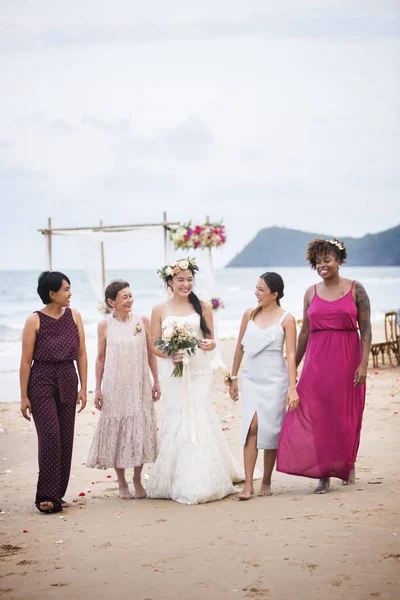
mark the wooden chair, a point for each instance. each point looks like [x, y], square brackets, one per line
[376, 349]
[392, 335]
[392, 343]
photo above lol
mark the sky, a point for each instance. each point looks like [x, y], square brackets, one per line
[259, 113]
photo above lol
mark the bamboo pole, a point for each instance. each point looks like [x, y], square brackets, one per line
[49, 244]
[210, 253]
[110, 227]
[165, 237]
[103, 268]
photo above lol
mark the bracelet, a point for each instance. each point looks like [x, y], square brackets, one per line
[234, 377]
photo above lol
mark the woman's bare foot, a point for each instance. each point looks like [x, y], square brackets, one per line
[265, 490]
[352, 478]
[246, 494]
[46, 506]
[140, 492]
[125, 494]
[323, 486]
[65, 504]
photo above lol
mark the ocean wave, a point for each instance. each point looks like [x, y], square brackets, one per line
[9, 334]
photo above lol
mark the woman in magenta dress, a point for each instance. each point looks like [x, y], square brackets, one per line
[53, 339]
[320, 438]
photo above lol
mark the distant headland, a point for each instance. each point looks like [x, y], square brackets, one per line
[281, 247]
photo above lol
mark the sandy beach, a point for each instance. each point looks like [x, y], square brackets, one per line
[293, 545]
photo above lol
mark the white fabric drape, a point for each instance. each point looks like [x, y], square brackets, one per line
[89, 244]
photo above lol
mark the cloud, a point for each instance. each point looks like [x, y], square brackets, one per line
[131, 23]
[190, 140]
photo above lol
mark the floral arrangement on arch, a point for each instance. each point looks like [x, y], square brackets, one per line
[216, 303]
[209, 235]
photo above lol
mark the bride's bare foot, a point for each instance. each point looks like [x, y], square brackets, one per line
[46, 506]
[265, 490]
[323, 486]
[65, 504]
[246, 494]
[140, 492]
[125, 494]
[352, 478]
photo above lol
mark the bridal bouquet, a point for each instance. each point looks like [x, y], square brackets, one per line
[177, 337]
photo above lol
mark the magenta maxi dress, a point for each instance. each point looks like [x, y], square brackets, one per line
[321, 437]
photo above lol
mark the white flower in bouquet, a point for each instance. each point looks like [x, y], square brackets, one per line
[175, 338]
[168, 333]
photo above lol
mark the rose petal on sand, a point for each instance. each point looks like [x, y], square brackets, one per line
[24, 531]
[82, 494]
[108, 476]
[59, 542]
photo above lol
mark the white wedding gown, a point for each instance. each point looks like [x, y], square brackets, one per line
[194, 464]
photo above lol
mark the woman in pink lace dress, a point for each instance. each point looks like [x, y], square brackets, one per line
[126, 433]
[320, 438]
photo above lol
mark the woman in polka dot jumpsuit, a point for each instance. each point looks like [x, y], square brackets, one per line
[53, 338]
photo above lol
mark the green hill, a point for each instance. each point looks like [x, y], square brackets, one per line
[281, 247]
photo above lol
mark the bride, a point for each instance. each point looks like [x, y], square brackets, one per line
[194, 464]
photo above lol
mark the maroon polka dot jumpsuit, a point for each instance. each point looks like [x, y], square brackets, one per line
[53, 391]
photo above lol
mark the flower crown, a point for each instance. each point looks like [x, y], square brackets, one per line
[336, 243]
[178, 266]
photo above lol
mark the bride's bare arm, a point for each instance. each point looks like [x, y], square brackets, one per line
[156, 329]
[208, 343]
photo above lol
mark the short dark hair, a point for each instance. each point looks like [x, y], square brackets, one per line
[111, 291]
[321, 247]
[50, 281]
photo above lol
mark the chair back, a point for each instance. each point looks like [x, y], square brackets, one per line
[392, 331]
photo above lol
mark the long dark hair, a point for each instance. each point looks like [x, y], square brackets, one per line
[195, 302]
[275, 283]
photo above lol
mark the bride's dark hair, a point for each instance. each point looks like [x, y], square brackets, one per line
[195, 302]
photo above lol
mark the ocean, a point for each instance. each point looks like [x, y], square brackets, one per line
[18, 298]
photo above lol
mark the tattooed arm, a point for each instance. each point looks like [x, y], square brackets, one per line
[364, 323]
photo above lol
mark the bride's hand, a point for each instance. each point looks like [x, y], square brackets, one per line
[207, 345]
[178, 357]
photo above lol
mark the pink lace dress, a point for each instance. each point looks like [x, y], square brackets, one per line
[126, 432]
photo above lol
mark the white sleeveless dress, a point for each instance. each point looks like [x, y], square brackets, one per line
[194, 464]
[126, 433]
[264, 383]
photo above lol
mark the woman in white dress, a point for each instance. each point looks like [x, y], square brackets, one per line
[126, 433]
[194, 464]
[268, 382]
